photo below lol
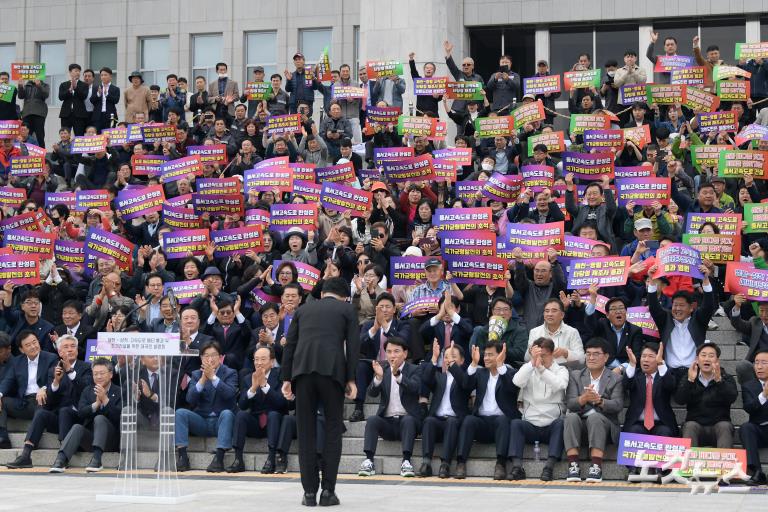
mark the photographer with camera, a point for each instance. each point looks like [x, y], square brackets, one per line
[505, 87]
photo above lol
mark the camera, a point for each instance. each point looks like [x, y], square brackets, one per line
[376, 233]
[504, 69]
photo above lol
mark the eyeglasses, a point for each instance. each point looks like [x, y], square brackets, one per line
[100, 374]
[594, 355]
[761, 363]
[31, 302]
[226, 312]
[210, 356]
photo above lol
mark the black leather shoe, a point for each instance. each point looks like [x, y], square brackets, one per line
[546, 474]
[425, 470]
[281, 464]
[238, 466]
[328, 498]
[461, 470]
[499, 472]
[59, 465]
[444, 471]
[269, 467]
[182, 463]
[357, 415]
[758, 478]
[216, 466]
[309, 499]
[21, 462]
[516, 473]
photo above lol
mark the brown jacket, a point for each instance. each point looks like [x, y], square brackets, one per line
[136, 100]
[702, 61]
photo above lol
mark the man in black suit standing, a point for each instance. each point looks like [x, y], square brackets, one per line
[319, 362]
[620, 334]
[754, 433]
[399, 415]
[71, 316]
[66, 382]
[450, 405]
[72, 95]
[20, 397]
[105, 96]
[650, 393]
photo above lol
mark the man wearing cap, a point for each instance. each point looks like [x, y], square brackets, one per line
[295, 83]
[638, 249]
[258, 76]
[136, 97]
[72, 95]
[548, 98]
[214, 282]
[724, 201]
[661, 221]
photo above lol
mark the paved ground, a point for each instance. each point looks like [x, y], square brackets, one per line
[38, 491]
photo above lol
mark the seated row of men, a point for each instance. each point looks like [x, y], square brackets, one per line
[490, 403]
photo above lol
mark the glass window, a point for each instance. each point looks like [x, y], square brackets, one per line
[154, 59]
[260, 50]
[724, 34]
[54, 55]
[485, 49]
[565, 45]
[7, 56]
[103, 54]
[312, 41]
[207, 50]
[612, 41]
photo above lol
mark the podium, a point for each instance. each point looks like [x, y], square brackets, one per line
[147, 468]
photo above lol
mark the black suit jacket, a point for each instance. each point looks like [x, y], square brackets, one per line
[14, 382]
[113, 98]
[663, 390]
[73, 103]
[69, 390]
[410, 385]
[83, 334]
[369, 346]
[752, 328]
[140, 235]
[697, 326]
[234, 343]
[631, 336]
[248, 362]
[272, 400]
[460, 334]
[324, 338]
[506, 391]
[112, 410]
[436, 381]
[758, 413]
[147, 406]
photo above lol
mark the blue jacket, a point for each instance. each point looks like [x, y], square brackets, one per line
[212, 400]
[299, 91]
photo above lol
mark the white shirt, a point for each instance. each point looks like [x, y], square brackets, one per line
[661, 370]
[104, 91]
[32, 387]
[595, 383]
[264, 389]
[74, 329]
[445, 408]
[564, 337]
[395, 406]
[542, 392]
[490, 407]
[88, 104]
[382, 332]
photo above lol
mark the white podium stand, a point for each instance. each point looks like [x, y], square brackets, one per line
[146, 445]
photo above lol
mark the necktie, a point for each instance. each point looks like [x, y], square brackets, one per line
[152, 381]
[382, 341]
[648, 421]
[447, 338]
[69, 331]
[226, 328]
[262, 420]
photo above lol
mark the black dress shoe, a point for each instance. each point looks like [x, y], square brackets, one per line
[238, 466]
[499, 471]
[216, 466]
[309, 499]
[757, 478]
[328, 498]
[425, 470]
[269, 467]
[21, 462]
[546, 474]
[516, 473]
[182, 464]
[444, 471]
[461, 470]
[5, 444]
[281, 465]
[357, 415]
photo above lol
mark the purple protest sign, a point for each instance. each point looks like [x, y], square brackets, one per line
[502, 187]
[259, 298]
[182, 243]
[417, 304]
[20, 269]
[577, 247]
[643, 191]
[387, 154]
[342, 198]
[460, 219]
[588, 166]
[605, 272]
[185, 291]
[641, 317]
[308, 275]
[467, 243]
[65, 198]
[87, 199]
[309, 191]
[407, 270]
[678, 260]
[341, 173]
[638, 171]
[137, 202]
[175, 170]
[486, 270]
[267, 180]
[537, 177]
[180, 217]
[286, 216]
[182, 200]
[70, 254]
[257, 217]
[229, 242]
[103, 244]
[656, 449]
[469, 191]
[303, 171]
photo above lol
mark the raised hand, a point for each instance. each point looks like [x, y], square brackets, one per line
[378, 371]
[660, 354]
[631, 357]
[475, 355]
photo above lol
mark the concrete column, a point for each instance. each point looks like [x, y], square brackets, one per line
[644, 39]
[753, 29]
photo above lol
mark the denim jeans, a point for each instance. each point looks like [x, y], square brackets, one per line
[189, 422]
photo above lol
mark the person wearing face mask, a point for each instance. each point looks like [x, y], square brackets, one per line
[609, 90]
[223, 93]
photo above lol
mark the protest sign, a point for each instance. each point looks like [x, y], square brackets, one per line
[308, 275]
[752, 131]
[756, 218]
[103, 244]
[233, 204]
[537, 177]
[25, 221]
[20, 269]
[695, 75]
[734, 163]
[269, 179]
[156, 132]
[180, 217]
[27, 165]
[445, 170]
[429, 86]
[725, 121]
[582, 79]
[260, 298]
[6, 92]
[309, 191]
[502, 187]
[417, 305]
[87, 199]
[219, 186]
[581, 122]
[382, 116]
[461, 219]
[541, 236]
[257, 217]
[469, 191]
[383, 68]
[588, 166]
[89, 144]
[729, 223]
[324, 71]
[182, 243]
[210, 154]
[283, 125]
[706, 155]
[117, 136]
[407, 270]
[751, 51]
[603, 140]
[633, 93]
[134, 203]
[9, 128]
[555, 142]
[715, 248]
[643, 191]
[700, 100]
[147, 165]
[346, 92]
[541, 84]
[483, 270]
[21, 72]
[340, 173]
[269, 163]
[638, 135]
[712, 462]
[528, 113]
[665, 94]
[678, 260]
[639, 171]
[70, 254]
[668, 63]
[605, 272]
[175, 170]
[418, 168]
[342, 198]
[29, 242]
[744, 278]
[723, 72]
[641, 317]
[381, 155]
[733, 90]
[303, 171]
[283, 217]
[185, 291]
[469, 91]
[418, 126]
[493, 126]
[575, 247]
[229, 242]
[65, 198]
[467, 243]
[258, 91]
[655, 449]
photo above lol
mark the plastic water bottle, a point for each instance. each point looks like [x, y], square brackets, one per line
[536, 451]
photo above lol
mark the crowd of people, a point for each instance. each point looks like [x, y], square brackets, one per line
[510, 364]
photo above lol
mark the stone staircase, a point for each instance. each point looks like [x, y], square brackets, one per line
[388, 457]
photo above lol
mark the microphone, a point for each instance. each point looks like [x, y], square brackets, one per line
[172, 298]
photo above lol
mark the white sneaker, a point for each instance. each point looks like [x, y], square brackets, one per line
[406, 469]
[367, 468]
[720, 311]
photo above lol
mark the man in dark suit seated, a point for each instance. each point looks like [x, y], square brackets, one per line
[26, 318]
[495, 405]
[399, 414]
[447, 326]
[756, 329]
[594, 398]
[99, 409]
[148, 404]
[167, 321]
[614, 328]
[212, 394]
[191, 341]
[754, 433]
[514, 335]
[373, 336]
[66, 382]
[20, 397]
[71, 316]
[707, 392]
[262, 407]
[450, 405]
[270, 334]
[230, 329]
